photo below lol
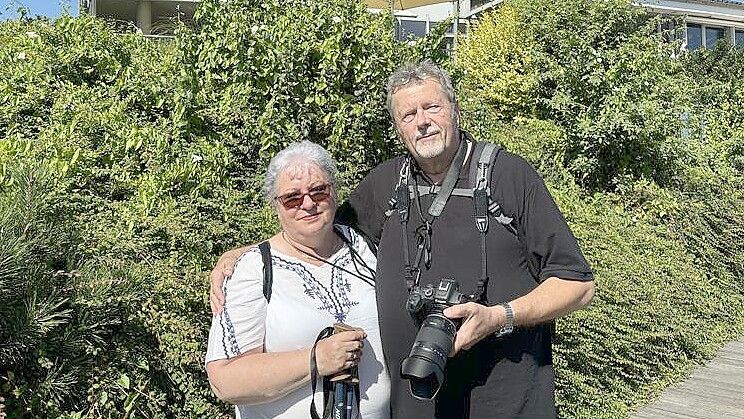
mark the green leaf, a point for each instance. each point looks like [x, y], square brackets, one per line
[123, 381]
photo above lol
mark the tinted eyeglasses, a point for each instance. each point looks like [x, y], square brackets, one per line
[294, 200]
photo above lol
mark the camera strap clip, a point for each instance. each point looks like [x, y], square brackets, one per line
[412, 275]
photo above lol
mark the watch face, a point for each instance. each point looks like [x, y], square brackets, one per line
[504, 331]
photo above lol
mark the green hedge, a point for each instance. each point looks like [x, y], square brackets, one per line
[151, 155]
[598, 69]
[641, 147]
[134, 163]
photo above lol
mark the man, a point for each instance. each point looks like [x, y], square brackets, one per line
[526, 271]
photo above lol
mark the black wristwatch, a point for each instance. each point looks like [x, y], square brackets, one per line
[508, 327]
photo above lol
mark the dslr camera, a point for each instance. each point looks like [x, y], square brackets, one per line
[424, 366]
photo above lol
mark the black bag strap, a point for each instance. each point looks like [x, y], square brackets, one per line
[328, 331]
[480, 175]
[268, 271]
[370, 243]
[402, 201]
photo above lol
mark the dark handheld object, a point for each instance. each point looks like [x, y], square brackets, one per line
[424, 367]
[341, 390]
[340, 401]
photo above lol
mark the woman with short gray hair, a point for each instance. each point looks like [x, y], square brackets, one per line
[260, 345]
[297, 151]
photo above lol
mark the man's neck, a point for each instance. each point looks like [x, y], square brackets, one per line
[436, 178]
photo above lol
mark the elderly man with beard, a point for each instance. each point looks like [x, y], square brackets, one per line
[523, 273]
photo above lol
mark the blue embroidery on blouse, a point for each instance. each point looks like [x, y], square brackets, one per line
[333, 298]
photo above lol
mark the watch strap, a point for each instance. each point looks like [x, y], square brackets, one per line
[508, 327]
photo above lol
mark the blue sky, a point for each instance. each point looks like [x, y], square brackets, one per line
[50, 8]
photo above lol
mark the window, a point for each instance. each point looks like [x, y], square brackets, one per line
[694, 36]
[408, 29]
[713, 35]
[704, 36]
[478, 3]
[462, 27]
[448, 44]
[739, 38]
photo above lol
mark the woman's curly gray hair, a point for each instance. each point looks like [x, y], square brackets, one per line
[299, 152]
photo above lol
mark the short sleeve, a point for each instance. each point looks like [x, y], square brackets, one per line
[241, 325]
[549, 238]
[544, 232]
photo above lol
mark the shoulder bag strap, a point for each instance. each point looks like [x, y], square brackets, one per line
[268, 272]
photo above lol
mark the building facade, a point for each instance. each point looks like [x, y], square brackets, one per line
[151, 17]
[705, 22]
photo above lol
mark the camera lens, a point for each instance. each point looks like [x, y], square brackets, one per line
[424, 366]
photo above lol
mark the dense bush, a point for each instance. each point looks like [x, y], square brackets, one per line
[151, 153]
[598, 69]
[261, 76]
[644, 326]
[93, 109]
[35, 294]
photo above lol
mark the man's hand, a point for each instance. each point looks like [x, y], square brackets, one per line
[553, 298]
[222, 270]
[478, 321]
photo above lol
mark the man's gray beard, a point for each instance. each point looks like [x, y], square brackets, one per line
[430, 151]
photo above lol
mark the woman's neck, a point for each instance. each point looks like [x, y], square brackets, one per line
[322, 246]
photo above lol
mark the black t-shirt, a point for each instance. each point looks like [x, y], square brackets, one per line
[505, 377]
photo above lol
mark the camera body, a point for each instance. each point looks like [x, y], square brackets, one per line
[424, 366]
[429, 300]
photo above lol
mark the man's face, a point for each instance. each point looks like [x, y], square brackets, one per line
[426, 121]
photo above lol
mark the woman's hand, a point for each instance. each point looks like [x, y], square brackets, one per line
[339, 352]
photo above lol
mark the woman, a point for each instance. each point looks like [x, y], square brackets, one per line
[258, 355]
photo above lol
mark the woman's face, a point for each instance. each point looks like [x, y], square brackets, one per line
[305, 203]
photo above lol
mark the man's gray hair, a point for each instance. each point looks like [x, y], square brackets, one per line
[417, 73]
[299, 152]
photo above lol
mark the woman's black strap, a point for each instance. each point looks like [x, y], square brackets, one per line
[328, 331]
[268, 272]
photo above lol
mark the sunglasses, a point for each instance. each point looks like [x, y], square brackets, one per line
[294, 200]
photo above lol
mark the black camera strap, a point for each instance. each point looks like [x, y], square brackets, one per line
[402, 201]
[448, 184]
[339, 396]
[407, 189]
[328, 331]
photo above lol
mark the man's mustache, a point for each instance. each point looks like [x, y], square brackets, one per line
[426, 134]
